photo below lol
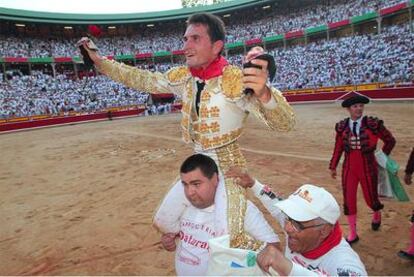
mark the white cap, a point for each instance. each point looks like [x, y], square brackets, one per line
[310, 202]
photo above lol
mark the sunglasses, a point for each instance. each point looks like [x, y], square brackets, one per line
[298, 226]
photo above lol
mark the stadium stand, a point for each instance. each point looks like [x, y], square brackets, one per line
[329, 44]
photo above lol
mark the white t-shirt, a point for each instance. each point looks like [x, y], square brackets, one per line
[197, 227]
[341, 260]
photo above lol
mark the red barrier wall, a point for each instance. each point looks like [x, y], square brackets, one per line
[65, 120]
[406, 93]
[378, 94]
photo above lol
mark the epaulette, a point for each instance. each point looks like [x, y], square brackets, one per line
[374, 123]
[178, 74]
[231, 82]
[341, 125]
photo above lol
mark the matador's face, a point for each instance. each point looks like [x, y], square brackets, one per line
[199, 50]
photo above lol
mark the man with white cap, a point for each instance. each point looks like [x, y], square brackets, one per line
[309, 217]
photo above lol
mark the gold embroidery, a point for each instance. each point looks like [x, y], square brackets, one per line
[189, 90]
[186, 108]
[204, 128]
[204, 111]
[216, 141]
[282, 118]
[215, 111]
[230, 155]
[186, 136]
[185, 122]
[178, 74]
[133, 77]
[209, 113]
[215, 127]
[185, 126]
[186, 112]
[231, 82]
[205, 96]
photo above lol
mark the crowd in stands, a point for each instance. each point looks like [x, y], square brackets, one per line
[371, 58]
[168, 37]
[283, 20]
[387, 58]
[40, 94]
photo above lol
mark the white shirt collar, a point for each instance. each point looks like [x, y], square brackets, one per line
[351, 122]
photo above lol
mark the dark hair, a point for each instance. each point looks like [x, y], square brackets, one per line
[206, 165]
[215, 26]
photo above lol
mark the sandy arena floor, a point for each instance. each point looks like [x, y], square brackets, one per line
[78, 200]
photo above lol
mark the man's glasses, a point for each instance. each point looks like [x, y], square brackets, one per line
[298, 226]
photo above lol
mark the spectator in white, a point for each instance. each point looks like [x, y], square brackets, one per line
[201, 220]
[41, 94]
[315, 245]
[167, 37]
[369, 58]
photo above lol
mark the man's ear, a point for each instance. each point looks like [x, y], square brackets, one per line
[218, 46]
[326, 230]
[216, 178]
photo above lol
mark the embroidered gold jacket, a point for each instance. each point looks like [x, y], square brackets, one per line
[223, 105]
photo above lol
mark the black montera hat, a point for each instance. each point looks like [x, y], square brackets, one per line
[354, 100]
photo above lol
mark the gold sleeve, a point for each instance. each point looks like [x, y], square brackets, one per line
[281, 118]
[142, 80]
[231, 83]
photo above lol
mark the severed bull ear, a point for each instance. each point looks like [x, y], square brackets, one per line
[271, 68]
[86, 59]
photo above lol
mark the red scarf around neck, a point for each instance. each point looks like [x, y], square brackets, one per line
[330, 242]
[213, 70]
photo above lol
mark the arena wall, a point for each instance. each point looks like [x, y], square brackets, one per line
[376, 95]
[32, 122]
[384, 94]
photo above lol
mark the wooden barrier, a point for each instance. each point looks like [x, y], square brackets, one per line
[47, 120]
[377, 94]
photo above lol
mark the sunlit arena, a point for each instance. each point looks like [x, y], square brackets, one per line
[87, 157]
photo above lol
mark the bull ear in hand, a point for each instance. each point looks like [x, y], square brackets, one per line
[271, 68]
